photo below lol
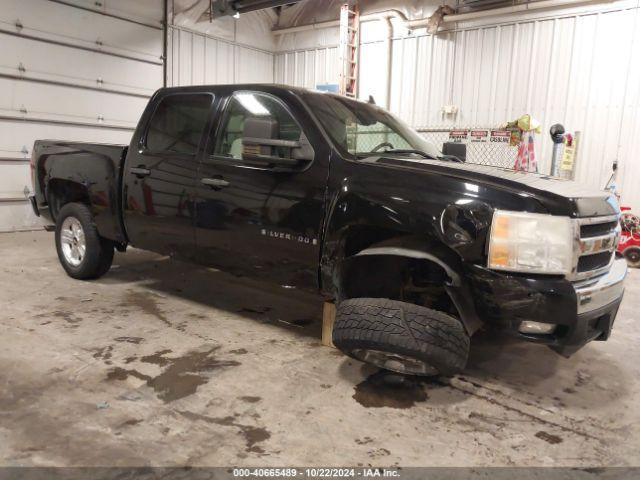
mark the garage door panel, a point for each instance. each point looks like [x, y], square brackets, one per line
[70, 74]
[68, 104]
[116, 73]
[16, 215]
[139, 10]
[16, 174]
[18, 135]
[72, 25]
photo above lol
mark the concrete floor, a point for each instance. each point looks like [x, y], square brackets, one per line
[163, 363]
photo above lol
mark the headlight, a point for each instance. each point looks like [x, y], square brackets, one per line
[531, 242]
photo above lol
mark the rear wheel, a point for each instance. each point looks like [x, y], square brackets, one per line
[401, 337]
[82, 252]
[632, 254]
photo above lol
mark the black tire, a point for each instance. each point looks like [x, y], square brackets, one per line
[401, 337]
[632, 255]
[98, 255]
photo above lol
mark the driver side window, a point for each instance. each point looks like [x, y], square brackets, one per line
[253, 105]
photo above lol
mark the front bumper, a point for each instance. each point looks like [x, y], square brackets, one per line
[583, 311]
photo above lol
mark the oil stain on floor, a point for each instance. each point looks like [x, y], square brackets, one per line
[182, 375]
[146, 302]
[383, 389]
[252, 435]
[549, 437]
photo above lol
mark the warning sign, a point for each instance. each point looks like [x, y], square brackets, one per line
[569, 154]
[458, 136]
[500, 136]
[479, 136]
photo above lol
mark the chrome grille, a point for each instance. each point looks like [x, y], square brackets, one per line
[595, 243]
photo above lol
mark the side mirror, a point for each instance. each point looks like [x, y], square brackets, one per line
[455, 149]
[262, 147]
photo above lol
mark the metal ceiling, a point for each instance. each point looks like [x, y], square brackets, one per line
[221, 8]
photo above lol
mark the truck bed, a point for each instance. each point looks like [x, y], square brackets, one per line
[80, 171]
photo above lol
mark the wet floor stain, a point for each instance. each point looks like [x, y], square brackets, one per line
[182, 375]
[252, 435]
[146, 302]
[72, 320]
[383, 389]
[378, 452]
[549, 437]
[103, 353]
[302, 322]
[364, 441]
[159, 358]
[250, 399]
[134, 340]
[239, 351]
[254, 311]
[131, 422]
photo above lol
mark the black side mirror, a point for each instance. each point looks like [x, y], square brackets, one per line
[454, 149]
[262, 147]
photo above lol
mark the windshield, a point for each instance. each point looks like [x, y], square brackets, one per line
[362, 129]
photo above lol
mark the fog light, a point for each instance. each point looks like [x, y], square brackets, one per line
[536, 327]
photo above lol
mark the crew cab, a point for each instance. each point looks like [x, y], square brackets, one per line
[419, 250]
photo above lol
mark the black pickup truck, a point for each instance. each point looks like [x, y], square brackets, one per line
[419, 250]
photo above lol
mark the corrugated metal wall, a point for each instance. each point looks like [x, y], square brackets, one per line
[70, 70]
[308, 68]
[579, 67]
[197, 59]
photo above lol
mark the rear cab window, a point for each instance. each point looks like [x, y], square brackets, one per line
[177, 124]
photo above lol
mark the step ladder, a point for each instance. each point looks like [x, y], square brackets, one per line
[349, 46]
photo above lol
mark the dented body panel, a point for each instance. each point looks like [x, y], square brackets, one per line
[386, 225]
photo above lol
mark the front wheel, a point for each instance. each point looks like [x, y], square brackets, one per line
[401, 337]
[82, 252]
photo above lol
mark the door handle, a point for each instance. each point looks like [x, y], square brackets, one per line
[216, 183]
[140, 171]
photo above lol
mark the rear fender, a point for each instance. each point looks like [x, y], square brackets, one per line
[88, 177]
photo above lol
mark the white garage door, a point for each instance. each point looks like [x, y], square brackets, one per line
[70, 70]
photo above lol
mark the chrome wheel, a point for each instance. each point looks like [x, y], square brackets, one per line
[72, 241]
[394, 362]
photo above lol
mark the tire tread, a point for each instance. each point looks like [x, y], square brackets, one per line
[390, 325]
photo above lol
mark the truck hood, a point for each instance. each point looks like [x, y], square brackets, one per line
[579, 199]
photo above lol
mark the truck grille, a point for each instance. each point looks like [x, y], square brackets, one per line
[596, 240]
[597, 229]
[594, 262]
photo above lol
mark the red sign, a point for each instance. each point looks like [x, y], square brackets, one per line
[480, 136]
[458, 135]
[500, 136]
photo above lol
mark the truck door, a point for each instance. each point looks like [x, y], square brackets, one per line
[260, 192]
[160, 174]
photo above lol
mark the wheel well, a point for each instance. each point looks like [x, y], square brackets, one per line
[360, 237]
[61, 192]
[412, 280]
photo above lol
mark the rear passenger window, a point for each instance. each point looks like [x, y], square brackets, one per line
[177, 123]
